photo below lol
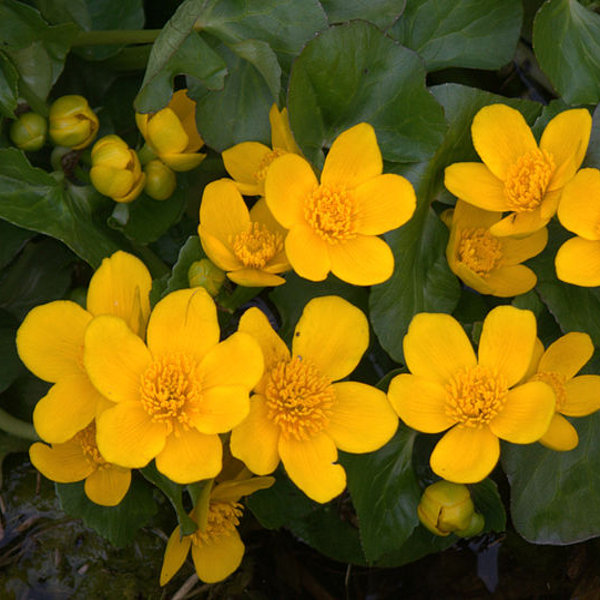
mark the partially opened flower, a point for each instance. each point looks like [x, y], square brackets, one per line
[216, 546]
[248, 245]
[50, 343]
[575, 396]
[485, 262]
[78, 459]
[477, 399]
[334, 223]
[517, 175]
[248, 162]
[177, 394]
[298, 414]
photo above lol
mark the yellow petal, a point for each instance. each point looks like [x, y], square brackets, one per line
[475, 183]
[353, 158]
[362, 419]
[184, 322]
[309, 465]
[175, 555]
[465, 455]
[64, 463]
[107, 485]
[127, 436]
[363, 260]
[232, 491]
[512, 280]
[526, 414]
[520, 224]
[467, 216]
[515, 251]
[221, 408]
[436, 346]
[111, 181]
[567, 354]
[165, 132]
[185, 161]
[135, 191]
[219, 558]
[468, 277]
[561, 435]
[578, 262]
[579, 208]
[281, 133]
[260, 213]
[68, 407]
[255, 278]
[583, 396]
[538, 351]
[501, 136]
[185, 109]
[50, 339]
[255, 440]
[566, 138]
[290, 181]
[115, 358]
[420, 403]
[243, 161]
[333, 334]
[190, 456]
[507, 341]
[308, 253]
[121, 287]
[219, 253]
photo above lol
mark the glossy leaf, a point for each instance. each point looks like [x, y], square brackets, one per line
[190, 252]
[8, 87]
[10, 365]
[13, 239]
[488, 502]
[382, 13]
[592, 157]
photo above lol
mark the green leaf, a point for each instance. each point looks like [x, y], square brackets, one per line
[33, 199]
[477, 34]
[566, 41]
[118, 524]
[10, 365]
[13, 239]
[190, 252]
[9, 92]
[592, 157]
[385, 493]
[488, 502]
[353, 73]
[382, 13]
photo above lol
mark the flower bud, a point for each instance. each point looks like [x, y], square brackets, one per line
[28, 132]
[203, 273]
[116, 171]
[447, 508]
[72, 122]
[160, 180]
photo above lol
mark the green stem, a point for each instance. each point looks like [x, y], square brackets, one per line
[113, 37]
[17, 427]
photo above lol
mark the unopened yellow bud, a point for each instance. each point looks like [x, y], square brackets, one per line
[203, 273]
[160, 180]
[447, 508]
[72, 122]
[28, 132]
[116, 171]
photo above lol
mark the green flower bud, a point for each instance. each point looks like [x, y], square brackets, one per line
[160, 180]
[72, 122]
[447, 508]
[29, 131]
[203, 273]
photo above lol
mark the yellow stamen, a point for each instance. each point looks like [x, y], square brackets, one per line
[265, 163]
[479, 250]
[331, 212]
[257, 246]
[557, 382]
[87, 440]
[527, 179]
[474, 396]
[299, 398]
[223, 517]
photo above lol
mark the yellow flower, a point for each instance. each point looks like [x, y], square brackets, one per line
[334, 224]
[485, 262]
[72, 122]
[247, 244]
[248, 162]
[578, 259]
[160, 180]
[217, 549]
[50, 343]
[575, 396]
[172, 134]
[517, 175]
[477, 398]
[175, 395]
[79, 458]
[298, 415]
[203, 273]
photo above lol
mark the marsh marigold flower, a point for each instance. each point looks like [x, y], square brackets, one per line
[28, 132]
[72, 123]
[575, 396]
[334, 223]
[174, 396]
[50, 343]
[217, 549]
[298, 414]
[248, 162]
[248, 245]
[485, 262]
[477, 398]
[517, 175]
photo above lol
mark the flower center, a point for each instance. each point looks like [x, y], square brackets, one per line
[299, 398]
[527, 180]
[223, 517]
[330, 211]
[265, 163]
[557, 382]
[169, 390]
[474, 396]
[257, 246]
[87, 440]
[479, 250]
